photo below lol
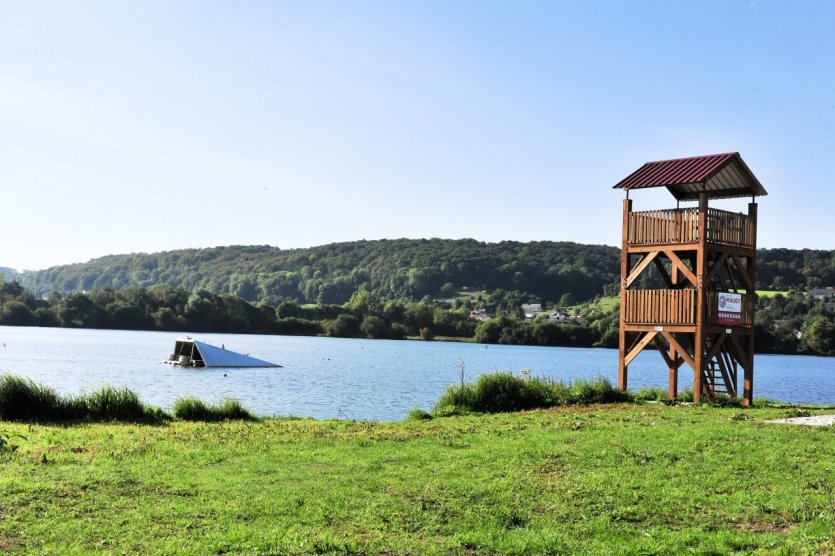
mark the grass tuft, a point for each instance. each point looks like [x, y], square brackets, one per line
[22, 399]
[25, 400]
[118, 404]
[418, 414]
[191, 408]
[653, 394]
[686, 395]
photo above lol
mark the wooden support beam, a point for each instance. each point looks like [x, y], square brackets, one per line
[739, 353]
[680, 266]
[717, 265]
[663, 271]
[723, 283]
[743, 275]
[717, 345]
[726, 378]
[649, 248]
[639, 347]
[699, 347]
[748, 381]
[640, 267]
[672, 372]
[731, 366]
[623, 369]
[671, 339]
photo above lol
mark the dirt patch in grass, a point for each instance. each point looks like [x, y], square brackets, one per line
[810, 421]
[761, 526]
[8, 543]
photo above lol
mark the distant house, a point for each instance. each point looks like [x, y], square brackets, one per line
[821, 293]
[558, 316]
[482, 314]
[531, 309]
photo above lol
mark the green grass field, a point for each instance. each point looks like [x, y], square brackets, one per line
[771, 293]
[618, 479]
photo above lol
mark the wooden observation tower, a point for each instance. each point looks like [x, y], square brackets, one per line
[688, 275]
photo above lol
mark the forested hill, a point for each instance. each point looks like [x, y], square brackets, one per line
[401, 268]
[8, 274]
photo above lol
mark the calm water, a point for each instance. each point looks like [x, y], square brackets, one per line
[351, 379]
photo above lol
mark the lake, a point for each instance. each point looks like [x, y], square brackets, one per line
[346, 378]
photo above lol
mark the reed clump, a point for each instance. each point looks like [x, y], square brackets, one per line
[504, 392]
[24, 400]
[191, 408]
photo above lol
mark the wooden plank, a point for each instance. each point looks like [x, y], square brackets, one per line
[675, 328]
[649, 248]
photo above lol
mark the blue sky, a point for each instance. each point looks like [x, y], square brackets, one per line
[156, 125]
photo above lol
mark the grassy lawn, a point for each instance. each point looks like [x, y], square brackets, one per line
[620, 479]
[771, 293]
[607, 304]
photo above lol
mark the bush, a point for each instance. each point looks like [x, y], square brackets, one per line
[724, 400]
[651, 395]
[25, 400]
[454, 399]
[112, 404]
[22, 399]
[501, 392]
[597, 391]
[418, 414]
[191, 408]
[685, 395]
[344, 326]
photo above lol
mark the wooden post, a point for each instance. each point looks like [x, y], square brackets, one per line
[623, 369]
[748, 377]
[699, 348]
[672, 391]
[672, 383]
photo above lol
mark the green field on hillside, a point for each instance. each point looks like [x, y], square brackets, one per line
[619, 479]
[771, 293]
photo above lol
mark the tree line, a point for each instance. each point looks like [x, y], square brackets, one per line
[784, 324]
[331, 274]
[394, 269]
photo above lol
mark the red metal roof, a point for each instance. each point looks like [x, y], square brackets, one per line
[717, 175]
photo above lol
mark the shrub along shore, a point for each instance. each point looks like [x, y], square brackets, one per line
[24, 400]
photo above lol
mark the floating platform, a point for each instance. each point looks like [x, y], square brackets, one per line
[191, 353]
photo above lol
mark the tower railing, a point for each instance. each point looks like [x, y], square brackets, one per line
[678, 307]
[676, 226]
